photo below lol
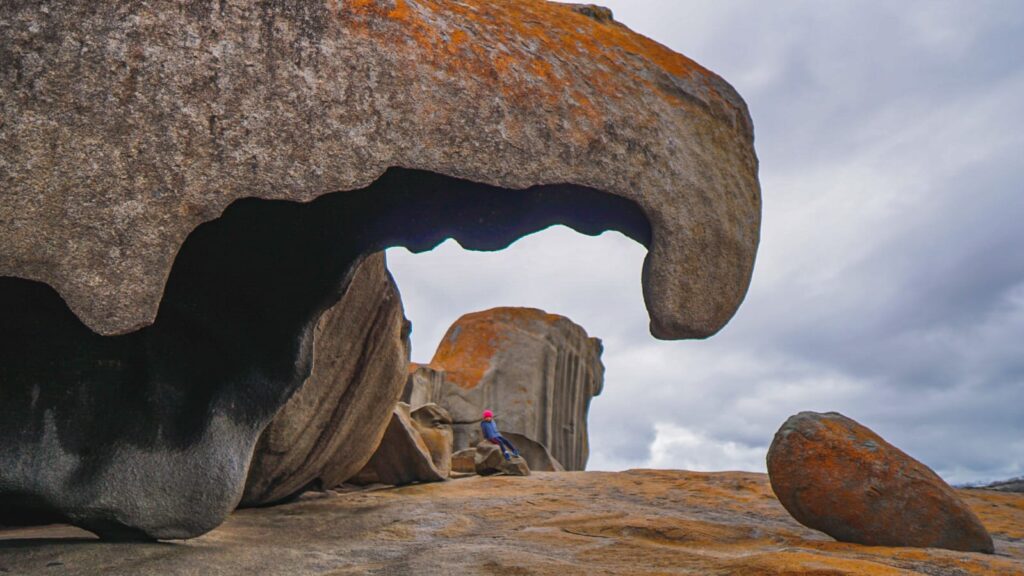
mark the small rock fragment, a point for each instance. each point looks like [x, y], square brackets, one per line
[489, 460]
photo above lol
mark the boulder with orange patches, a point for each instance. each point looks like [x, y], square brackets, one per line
[537, 371]
[835, 475]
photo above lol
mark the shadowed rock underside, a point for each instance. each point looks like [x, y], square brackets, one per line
[126, 125]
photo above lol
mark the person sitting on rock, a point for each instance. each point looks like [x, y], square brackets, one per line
[494, 437]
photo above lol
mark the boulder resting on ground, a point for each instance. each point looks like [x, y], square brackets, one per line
[835, 475]
[489, 460]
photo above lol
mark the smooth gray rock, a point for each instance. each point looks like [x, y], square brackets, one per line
[188, 186]
[331, 426]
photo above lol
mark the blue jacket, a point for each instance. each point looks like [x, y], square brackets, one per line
[490, 429]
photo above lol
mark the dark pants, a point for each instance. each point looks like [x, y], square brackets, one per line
[502, 443]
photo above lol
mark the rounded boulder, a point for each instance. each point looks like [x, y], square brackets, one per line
[835, 475]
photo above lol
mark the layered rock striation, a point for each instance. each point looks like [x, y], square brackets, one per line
[537, 371]
[188, 187]
[127, 125]
[331, 426]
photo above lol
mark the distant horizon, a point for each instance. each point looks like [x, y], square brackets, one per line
[889, 284]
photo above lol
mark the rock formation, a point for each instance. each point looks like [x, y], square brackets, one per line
[489, 460]
[188, 186]
[330, 427]
[537, 371]
[416, 447]
[835, 475]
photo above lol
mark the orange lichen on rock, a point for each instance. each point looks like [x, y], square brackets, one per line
[835, 475]
[636, 523]
[559, 53]
[400, 11]
[467, 348]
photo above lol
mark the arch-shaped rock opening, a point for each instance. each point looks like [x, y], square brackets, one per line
[230, 344]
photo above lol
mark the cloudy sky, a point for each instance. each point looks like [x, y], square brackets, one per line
[890, 280]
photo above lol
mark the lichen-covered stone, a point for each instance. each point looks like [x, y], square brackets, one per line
[188, 186]
[835, 475]
[125, 125]
[537, 455]
[537, 371]
[330, 427]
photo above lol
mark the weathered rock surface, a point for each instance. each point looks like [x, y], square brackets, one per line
[489, 460]
[835, 475]
[126, 125]
[416, 447]
[636, 523]
[331, 426]
[434, 426]
[537, 371]
[187, 187]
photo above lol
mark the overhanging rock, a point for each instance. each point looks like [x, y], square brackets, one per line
[188, 186]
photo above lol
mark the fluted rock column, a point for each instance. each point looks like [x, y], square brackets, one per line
[537, 371]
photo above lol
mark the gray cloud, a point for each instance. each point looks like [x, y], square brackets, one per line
[890, 282]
